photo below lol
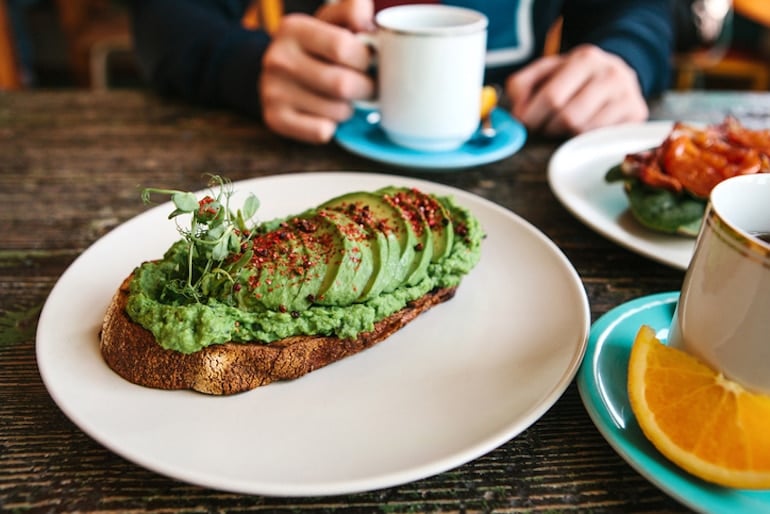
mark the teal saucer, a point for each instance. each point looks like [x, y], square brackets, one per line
[362, 137]
[602, 384]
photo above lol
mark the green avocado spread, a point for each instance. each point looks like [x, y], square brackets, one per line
[335, 269]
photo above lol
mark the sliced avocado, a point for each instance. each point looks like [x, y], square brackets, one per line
[423, 249]
[389, 221]
[278, 257]
[385, 250]
[439, 220]
[344, 248]
[314, 266]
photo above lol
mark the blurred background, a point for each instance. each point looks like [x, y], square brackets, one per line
[721, 44]
[67, 43]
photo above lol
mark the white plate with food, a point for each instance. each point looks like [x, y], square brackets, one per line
[462, 379]
[576, 174]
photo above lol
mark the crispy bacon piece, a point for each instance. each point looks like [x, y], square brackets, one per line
[697, 159]
[646, 166]
[700, 162]
[738, 134]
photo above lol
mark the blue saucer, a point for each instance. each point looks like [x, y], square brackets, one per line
[366, 139]
[602, 382]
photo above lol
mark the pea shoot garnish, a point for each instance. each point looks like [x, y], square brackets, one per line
[216, 238]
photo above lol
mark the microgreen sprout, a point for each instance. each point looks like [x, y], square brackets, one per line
[215, 234]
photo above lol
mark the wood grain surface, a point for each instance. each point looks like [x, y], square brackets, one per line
[71, 166]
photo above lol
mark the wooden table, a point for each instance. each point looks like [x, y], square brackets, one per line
[70, 163]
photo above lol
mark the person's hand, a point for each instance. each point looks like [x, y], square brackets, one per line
[574, 92]
[313, 68]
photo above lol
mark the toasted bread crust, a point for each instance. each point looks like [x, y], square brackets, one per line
[229, 368]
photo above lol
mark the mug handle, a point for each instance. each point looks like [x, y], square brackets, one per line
[370, 40]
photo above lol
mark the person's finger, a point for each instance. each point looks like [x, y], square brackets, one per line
[303, 126]
[521, 85]
[279, 93]
[287, 57]
[323, 78]
[323, 40]
[355, 15]
[295, 112]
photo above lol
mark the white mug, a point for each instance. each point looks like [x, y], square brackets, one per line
[430, 71]
[723, 313]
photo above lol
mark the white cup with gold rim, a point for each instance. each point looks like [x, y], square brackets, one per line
[723, 313]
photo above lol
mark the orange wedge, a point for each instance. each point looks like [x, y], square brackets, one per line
[706, 424]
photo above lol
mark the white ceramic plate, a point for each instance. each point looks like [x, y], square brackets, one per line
[576, 176]
[457, 382]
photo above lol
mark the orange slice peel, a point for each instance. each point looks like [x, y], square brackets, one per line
[705, 423]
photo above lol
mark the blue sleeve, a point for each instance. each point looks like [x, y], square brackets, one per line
[198, 50]
[639, 31]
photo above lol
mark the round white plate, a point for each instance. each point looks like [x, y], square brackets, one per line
[576, 176]
[457, 382]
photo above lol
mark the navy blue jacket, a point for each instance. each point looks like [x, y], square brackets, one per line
[197, 49]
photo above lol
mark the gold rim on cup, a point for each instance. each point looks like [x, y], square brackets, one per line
[744, 243]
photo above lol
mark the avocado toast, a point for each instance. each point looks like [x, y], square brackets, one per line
[231, 307]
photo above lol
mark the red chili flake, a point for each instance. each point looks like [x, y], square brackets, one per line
[411, 211]
[282, 308]
[305, 225]
[419, 247]
[310, 298]
[204, 203]
[236, 287]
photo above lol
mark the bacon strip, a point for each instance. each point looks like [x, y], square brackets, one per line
[696, 159]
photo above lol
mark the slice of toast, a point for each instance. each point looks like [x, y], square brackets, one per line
[222, 369]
